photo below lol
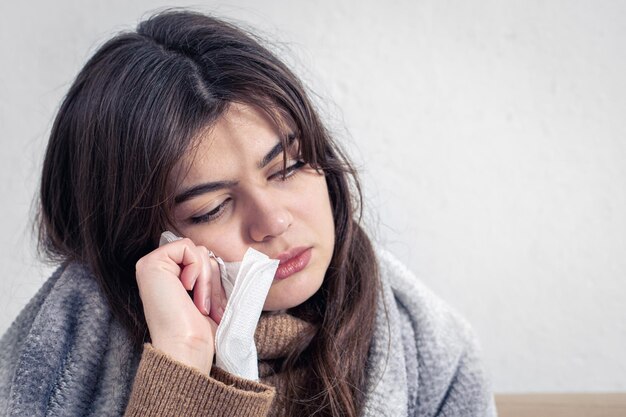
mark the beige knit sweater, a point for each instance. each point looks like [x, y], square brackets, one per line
[165, 387]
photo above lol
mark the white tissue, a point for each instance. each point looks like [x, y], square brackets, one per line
[246, 285]
[234, 341]
[229, 271]
[168, 237]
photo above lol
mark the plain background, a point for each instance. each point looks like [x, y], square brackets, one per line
[490, 136]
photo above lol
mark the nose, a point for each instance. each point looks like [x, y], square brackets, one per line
[269, 217]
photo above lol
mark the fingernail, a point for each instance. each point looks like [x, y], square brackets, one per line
[207, 305]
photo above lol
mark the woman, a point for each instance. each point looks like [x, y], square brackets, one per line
[190, 125]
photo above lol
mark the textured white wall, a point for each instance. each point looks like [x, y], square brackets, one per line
[490, 135]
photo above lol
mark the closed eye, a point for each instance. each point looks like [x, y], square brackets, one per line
[211, 215]
[288, 172]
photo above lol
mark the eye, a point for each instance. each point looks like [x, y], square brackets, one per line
[211, 215]
[288, 172]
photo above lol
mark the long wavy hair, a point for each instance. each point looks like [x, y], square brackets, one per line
[131, 114]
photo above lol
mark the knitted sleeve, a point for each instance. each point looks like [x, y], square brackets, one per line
[165, 387]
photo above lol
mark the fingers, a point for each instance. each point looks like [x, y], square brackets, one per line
[208, 292]
[202, 287]
[200, 274]
[218, 298]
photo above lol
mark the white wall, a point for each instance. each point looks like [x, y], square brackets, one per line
[490, 135]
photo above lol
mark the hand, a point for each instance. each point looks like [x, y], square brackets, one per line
[179, 326]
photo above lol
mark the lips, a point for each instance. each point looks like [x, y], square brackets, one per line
[292, 261]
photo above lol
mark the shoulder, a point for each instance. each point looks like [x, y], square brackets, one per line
[420, 304]
[52, 356]
[56, 296]
[69, 290]
[450, 378]
[68, 301]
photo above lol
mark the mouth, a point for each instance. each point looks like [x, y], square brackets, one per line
[292, 261]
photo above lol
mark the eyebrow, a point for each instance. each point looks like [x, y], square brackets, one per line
[208, 187]
[275, 151]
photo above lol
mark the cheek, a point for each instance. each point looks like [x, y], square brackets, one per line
[314, 222]
[316, 208]
[228, 244]
[225, 241]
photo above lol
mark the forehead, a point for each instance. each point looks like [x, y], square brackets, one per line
[238, 140]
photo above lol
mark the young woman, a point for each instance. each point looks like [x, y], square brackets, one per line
[190, 125]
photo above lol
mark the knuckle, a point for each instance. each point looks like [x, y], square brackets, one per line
[140, 264]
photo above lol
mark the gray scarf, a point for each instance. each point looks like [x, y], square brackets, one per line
[65, 355]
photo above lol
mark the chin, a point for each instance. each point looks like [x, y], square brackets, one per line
[282, 303]
[290, 292]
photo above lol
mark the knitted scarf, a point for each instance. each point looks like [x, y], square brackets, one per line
[65, 355]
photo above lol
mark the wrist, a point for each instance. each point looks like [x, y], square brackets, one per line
[196, 354]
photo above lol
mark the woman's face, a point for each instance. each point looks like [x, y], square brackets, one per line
[233, 196]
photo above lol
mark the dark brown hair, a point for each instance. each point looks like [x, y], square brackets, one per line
[131, 114]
